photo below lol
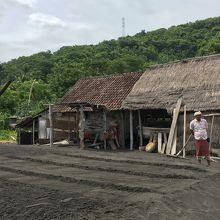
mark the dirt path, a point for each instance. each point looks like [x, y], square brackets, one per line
[68, 183]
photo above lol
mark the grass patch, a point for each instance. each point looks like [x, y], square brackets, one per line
[7, 135]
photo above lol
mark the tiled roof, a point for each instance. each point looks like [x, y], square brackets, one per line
[108, 91]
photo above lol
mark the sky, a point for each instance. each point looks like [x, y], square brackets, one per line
[31, 26]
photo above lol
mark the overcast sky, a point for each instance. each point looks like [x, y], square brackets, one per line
[30, 26]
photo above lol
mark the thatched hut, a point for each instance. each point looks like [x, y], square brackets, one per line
[196, 80]
[98, 103]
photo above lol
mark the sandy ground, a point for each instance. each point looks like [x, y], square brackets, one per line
[68, 183]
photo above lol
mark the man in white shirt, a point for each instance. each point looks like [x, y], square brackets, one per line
[199, 127]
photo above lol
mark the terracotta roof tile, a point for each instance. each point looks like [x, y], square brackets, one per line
[109, 91]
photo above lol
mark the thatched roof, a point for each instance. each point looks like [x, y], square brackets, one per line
[107, 91]
[196, 80]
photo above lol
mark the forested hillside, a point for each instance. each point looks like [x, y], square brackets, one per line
[51, 74]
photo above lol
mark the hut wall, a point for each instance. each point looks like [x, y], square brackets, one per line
[65, 126]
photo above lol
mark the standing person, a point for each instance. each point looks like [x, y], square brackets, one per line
[198, 128]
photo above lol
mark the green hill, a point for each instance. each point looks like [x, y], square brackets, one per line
[55, 72]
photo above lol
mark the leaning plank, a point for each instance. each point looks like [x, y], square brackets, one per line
[216, 158]
[159, 142]
[173, 149]
[173, 126]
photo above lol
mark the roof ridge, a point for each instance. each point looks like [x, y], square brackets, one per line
[112, 75]
[186, 60]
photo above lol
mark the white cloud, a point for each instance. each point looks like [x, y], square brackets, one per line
[45, 20]
[27, 3]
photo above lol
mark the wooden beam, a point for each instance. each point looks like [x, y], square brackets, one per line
[173, 126]
[131, 131]
[140, 129]
[210, 115]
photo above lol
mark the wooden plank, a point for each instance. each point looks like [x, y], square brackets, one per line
[159, 138]
[184, 131]
[173, 126]
[213, 114]
[131, 131]
[164, 143]
[156, 129]
[173, 149]
[140, 128]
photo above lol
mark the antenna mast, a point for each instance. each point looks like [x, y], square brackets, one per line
[123, 27]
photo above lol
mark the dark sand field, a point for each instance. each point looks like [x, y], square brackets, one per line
[68, 183]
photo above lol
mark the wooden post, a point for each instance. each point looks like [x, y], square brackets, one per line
[173, 126]
[105, 128]
[210, 143]
[33, 132]
[140, 129]
[159, 142]
[164, 143]
[131, 131]
[19, 134]
[122, 130]
[184, 131]
[76, 129]
[51, 124]
[69, 126]
[81, 128]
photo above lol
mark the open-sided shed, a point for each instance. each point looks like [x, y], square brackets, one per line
[196, 80]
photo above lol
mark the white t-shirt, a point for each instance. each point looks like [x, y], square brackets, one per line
[200, 129]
